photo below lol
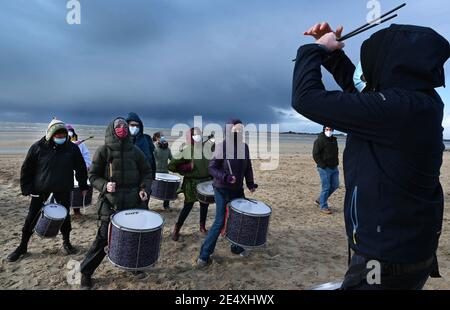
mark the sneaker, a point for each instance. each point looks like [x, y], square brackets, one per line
[244, 253]
[202, 263]
[326, 211]
[317, 202]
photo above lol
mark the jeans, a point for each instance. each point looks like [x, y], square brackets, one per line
[222, 197]
[356, 279]
[187, 209]
[330, 183]
[35, 210]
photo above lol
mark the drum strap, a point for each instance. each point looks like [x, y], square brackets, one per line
[224, 228]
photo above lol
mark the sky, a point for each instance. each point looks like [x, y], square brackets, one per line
[169, 60]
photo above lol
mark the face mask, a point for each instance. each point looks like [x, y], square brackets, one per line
[162, 140]
[121, 132]
[59, 141]
[329, 134]
[359, 83]
[197, 138]
[134, 130]
[70, 134]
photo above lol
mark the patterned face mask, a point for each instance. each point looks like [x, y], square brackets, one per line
[360, 84]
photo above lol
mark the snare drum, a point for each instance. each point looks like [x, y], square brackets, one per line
[76, 197]
[50, 221]
[205, 192]
[165, 186]
[247, 223]
[134, 239]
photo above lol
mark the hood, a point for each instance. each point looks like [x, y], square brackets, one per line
[135, 118]
[110, 135]
[405, 56]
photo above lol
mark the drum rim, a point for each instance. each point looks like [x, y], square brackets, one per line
[132, 269]
[202, 193]
[246, 246]
[52, 218]
[137, 230]
[168, 181]
[251, 214]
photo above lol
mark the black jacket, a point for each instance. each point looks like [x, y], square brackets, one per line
[48, 168]
[394, 200]
[325, 152]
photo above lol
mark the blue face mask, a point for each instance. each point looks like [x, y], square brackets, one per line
[359, 83]
[59, 141]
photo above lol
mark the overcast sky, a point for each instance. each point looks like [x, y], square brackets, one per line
[168, 60]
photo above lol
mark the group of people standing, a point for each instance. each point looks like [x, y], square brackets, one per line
[122, 170]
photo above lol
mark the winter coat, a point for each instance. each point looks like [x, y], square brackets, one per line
[326, 152]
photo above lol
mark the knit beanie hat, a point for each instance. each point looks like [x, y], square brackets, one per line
[54, 126]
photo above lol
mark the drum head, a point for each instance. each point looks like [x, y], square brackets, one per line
[167, 177]
[252, 207]
[206, 188]
[137, 220]
[55, 211]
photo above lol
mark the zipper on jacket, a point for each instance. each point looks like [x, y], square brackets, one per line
[354, 212]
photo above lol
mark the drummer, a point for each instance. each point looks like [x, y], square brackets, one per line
[48, 168]
[84, 151]
[229, 173]
[162, 156]
[194, 171]
[122, 175]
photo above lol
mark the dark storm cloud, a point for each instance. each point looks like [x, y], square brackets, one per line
[168, 59]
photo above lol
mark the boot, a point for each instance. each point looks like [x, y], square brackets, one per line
[203, 229]
[86, 281]
[21, 249]
[176, 232]
[68, 247]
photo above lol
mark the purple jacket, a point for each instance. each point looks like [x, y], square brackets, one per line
[240, 168]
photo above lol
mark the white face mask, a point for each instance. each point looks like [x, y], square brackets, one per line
[357, 78]
[134, 130]
[197, 138]
[70, 134]
[329, 134]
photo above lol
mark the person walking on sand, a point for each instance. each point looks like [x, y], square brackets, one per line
[162, 156]
[194, 171]
[122, 175]
[393, 116]
[84, 151]
[326, 156]
[229, 169]
[48, 168]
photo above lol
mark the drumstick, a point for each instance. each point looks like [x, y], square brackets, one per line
[110, 171]
[91, 137]
[229, 167]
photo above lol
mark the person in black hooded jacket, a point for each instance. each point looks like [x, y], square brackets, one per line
[141, 140]
[394, 200]
[48, 168]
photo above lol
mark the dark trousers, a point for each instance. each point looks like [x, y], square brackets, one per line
[96, 253]
[187, 209]
[356, 279]
[35, 210]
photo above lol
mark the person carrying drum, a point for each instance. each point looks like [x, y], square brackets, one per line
[141, 140]
[392, 114]
[229, 169]
[194, 170]
[84, 151]
[162, 156]
[122, 175]
[326, 156]
[48, 168]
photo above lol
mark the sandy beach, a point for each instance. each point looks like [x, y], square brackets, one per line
[304, 247]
